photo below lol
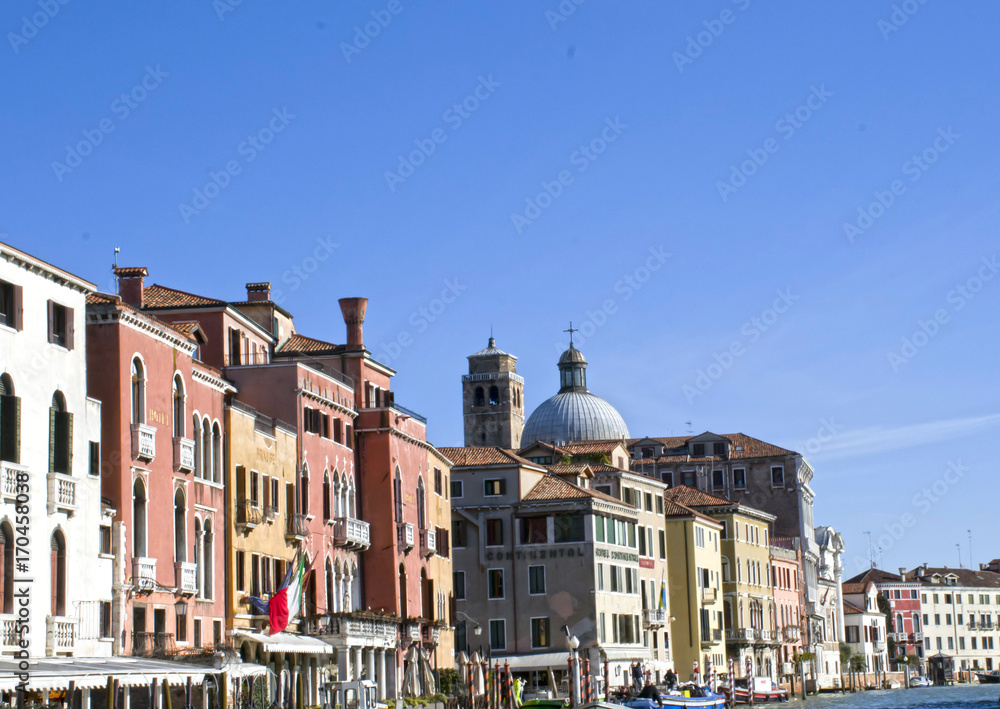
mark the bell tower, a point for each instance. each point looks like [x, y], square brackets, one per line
[492, 399]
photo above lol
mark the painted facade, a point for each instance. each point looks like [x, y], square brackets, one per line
[789, 603]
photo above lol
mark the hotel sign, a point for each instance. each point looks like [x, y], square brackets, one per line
[616, 555]
[556, 553]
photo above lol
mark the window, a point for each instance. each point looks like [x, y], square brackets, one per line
[539, 632]
[598, 528]
[240, 571]
[138, 390]
[698, 450]
[180, 525]
[104, 546]
[459, 533]
[492, 488]
[536, 580]
[699, 537]
[642, 541]
[60, 436]
[438, 482]
[616, 579]
[663, 544]
[498, 634]
[479, 398]
[494, 532]
[659, 504]
[10, 421]
[494, 396]
[569, 528]
[58, 566]
[739, 479]
[95, 458]
[649, 501]
[105, 620]
[600, 577]
[534, 530]
[458, 582]
[777, 476]
[181, 627]
[494, 578]
[853, 636]
[456, 490]
[197, 632]
[668, 478]
[718, 480]
[688, 478]
[10, 305]
[60, 325]
[177, 406]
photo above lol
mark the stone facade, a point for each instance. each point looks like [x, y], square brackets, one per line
[493, 399]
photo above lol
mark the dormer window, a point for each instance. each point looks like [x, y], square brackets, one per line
[720, 448]
[698, 450]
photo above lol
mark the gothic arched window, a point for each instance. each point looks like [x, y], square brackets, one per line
[479, 397]
[494, 396]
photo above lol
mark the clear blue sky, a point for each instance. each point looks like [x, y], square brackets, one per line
[617, 112]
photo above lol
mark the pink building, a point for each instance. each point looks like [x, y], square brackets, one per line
[789, 602]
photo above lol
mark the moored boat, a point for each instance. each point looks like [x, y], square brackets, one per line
[690, 696]
[989, 677]
[764, 691]
[921, 681]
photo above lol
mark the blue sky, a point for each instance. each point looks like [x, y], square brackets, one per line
[673, 178]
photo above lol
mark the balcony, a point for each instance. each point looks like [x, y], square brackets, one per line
[404, 535]
[62, 494]
[152, 644]
[60, 635]
[413, 630]
[186, 576]
[183, 454]
[900, 637]
[270, 513]
[297, 527]
[143, 573]
[248, 513]
[654, 618]
[370, 629]
[708, 595]
[428, 542]
[740, 635]
[766, 635]
[8, 480]
[918, 637]
[143, 442]
[717, 635]
[9, 639]
[793, 633]
[351, 533]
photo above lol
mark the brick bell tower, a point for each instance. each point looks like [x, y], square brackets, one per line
[493, 399]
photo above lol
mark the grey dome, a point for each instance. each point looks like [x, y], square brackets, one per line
[572, 356]
[573, 416]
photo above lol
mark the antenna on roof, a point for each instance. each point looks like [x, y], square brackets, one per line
[959, 547]
[690, 430]
[871, 549]
[972, 564]
[115, 265]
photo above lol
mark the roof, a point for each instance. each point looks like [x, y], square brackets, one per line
[574, 416]
[965, 577]
[851, 609]
[302, 344]
[491, 350]
[571, 468]
[187, 330]
[157, 296]
[676, 509]
[876, 576]
[492, 455]
[854, 587]
[552, 487]
[751, 447]
[692, 497]
[591, 447]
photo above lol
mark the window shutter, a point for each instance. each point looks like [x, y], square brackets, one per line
[51, 333]
[52, 438]
[241, 482]
[10, 431]
[69, 328]
[61, 453]
[503, 486]
[18, 309]
[54, 564]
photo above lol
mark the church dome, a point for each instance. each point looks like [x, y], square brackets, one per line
[574, 414]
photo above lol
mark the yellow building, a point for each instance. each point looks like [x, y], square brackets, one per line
[694, 579]
[748, 598]
[439, 572]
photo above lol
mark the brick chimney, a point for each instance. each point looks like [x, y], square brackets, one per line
[130, 284]
[354, 316]
[259, 291]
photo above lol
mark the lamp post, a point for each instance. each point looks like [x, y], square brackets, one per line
[477, 631]
[574, 643]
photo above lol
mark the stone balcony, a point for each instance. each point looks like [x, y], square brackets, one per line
[405, 536]
[708, 595]
[60, 635]
[351, 533]
[654, 618]
[8, 479]
[918, 637]
[143, 442]
[364, 628]
[248, 514]
[183, 454]
[8, 633]
[428, 542]
[62, 494]
[793, 633]
[740, 635]
[143, 573]
[186, 576]
[766, 635]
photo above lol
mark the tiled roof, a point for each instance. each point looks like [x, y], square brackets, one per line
[691, 497]
[854, 587]
[875, 576]
[552, 487]
[752, 448]
[115, 301]
[572, 468]
[157, 296]
[966, 577]
[472, 455]
[187, 326]
[590, 447]
[300, 343]
[851, 609]
[676, 509]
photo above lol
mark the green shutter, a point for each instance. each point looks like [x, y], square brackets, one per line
[10, 430]
[52, 438]
[61, 453]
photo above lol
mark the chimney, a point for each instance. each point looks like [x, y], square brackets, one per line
[257, 292]
[902, 572]
[130, 284]
[354, 316]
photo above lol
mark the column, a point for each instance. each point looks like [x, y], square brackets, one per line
[204, 694]
[343, 664]
[356, 662]
[313, 681]
[85, 698]
[126, 697]
[370, 663]
[380, 675]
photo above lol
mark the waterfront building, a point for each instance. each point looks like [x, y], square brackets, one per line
[864, 625]
[162, 469]
[695, 585]
[538, 557]
[749, 616]
[961, 615]
[50, 453]
[902, 592]
[826, 617]
[789, 602]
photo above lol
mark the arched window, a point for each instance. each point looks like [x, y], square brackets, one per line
[60, 436]
[7, 569]
[208, 558]
[494, 396]
[397, 493]
[180, 526]
[426, 596]
[326, 496]
[58, 574]
[200, 567]
[10, 421]
[139, 519]
[479, 397]
[351, 510]
[915, 620]
[899, 623]
[216, 453]
[354, 592]
[138, 391]
[329, 587]
[178, 406]
[338, 587]
[198, 452]
[304, 489]
[421, 512]
[206, 447]
[403, 609]
[725, 570]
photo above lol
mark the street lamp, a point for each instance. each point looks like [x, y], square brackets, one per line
[574, 643]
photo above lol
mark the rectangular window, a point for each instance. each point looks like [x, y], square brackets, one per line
[937, 619]
[616, 579]
[10, 305]
[493, 488]
[494, 532]
[600, 577]
[458, 533]
[698, 450]
[539, 632]
[649, 501]
[458, 581]
[777, 476]
[95, 458]
[667, 476]
[688, 477]
[601, 629]
[699, 537]
[659, 504]
[951, 643]
[274, 496]
[197, 632]
[60, 325]
[663, 544]
[494, 578]
[739, 479]
[456, 489]
[534, 530]
[718, 480]
[438, 482]
[105, 547]
[852, 634]
[598, 528]
[443, 542]
[569, 528]
[105, 619]
[254, 488]
[642, 541]
[181, 628]
[536, 580]
[255, 575]
[498, 634]
[939, 643]
[240, 571]
[631, 535]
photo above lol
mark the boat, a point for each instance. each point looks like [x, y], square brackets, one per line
[545, 704]
[690, 696]
[764, 690]
[989, 677]
[921, 681]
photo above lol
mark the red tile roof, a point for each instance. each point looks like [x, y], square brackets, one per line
[676, 509]
[851, 609]
[854, 587]
[691, 497]
[473, 455]
[876, 576]
[966, 577]
[118, 303]
[300, 343]
[552, 487]
[590, 447]
[157, 296]
[752, 448]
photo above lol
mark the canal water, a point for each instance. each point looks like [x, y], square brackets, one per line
[983, 696]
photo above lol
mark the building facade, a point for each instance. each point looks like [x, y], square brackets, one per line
[906, 637]
[493, 399]
[54, 528]
[789, 602]
[864, 626]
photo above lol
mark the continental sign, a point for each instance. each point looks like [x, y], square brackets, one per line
[534, 554]
[616, 555]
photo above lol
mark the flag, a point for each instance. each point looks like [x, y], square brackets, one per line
[663, 594]
[287, 600]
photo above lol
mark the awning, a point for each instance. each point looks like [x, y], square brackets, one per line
[245, 669]
[287, 642]
[540, 661]
[50, 673]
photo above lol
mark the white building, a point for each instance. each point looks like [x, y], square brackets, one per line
[826, 612]
[50, 440]
[864, 625]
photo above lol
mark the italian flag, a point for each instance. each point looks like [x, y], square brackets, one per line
[287, 600]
